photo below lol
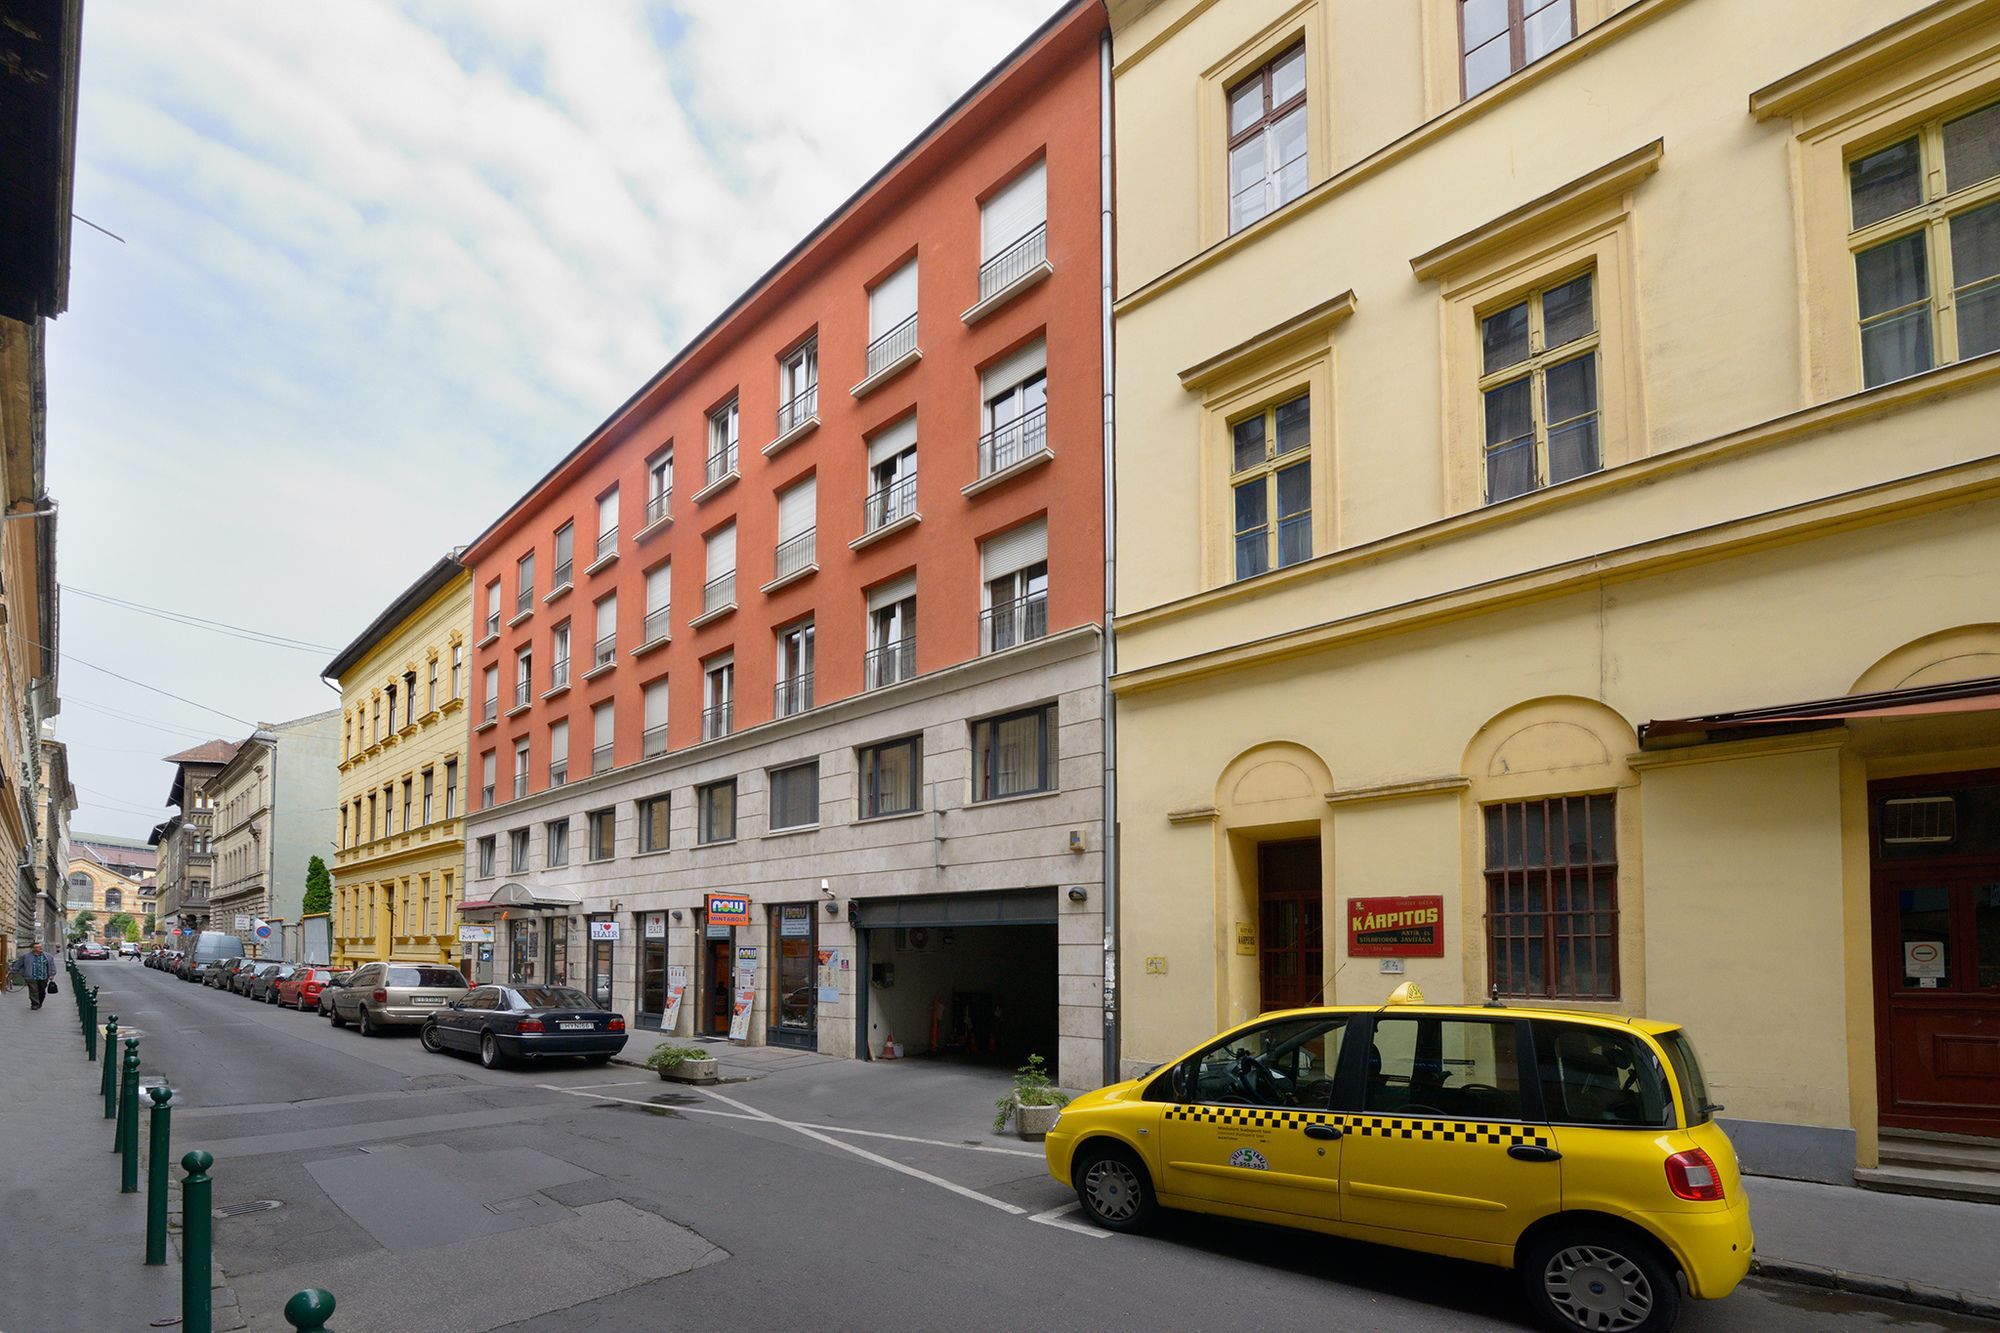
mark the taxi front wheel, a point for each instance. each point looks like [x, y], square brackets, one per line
[1607, 1280]
[1113, 1188]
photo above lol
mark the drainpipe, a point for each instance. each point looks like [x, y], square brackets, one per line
[1109, 647]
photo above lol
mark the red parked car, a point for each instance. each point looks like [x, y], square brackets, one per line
[301, 989]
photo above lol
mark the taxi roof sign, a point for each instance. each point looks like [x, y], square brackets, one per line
[1407, 993]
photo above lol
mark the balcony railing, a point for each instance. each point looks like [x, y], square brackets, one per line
[522, 692]
[559, 773]
[718, 592]
[564, 575]
[653, 742]
[794, 554]
[491, 713]
[717, 721]
[793, 694]
[524, 601]
[1007, 445]
[607, 542]
[721, 463]
[559, 674]
[486, 796]
[896, 500]
[606, 651]
[892, 346]
[889, 663]
[1006, 624]
[657, 506]
[600, 758]
[1011, 264]
[492, 623]
[520, 785]
[657, 624]
[803, 407]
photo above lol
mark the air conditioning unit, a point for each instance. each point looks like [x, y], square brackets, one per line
[1909, 821]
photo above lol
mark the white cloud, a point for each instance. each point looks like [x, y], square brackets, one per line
[384, 264]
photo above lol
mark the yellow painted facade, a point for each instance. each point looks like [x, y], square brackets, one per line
[400, 870]
[90, 886]
[1760, 527]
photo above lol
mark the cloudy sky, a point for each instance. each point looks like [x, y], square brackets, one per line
[382, 264]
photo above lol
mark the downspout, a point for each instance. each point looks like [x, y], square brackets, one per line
[1109, 647]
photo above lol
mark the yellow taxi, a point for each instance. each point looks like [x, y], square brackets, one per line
[1579, 1149]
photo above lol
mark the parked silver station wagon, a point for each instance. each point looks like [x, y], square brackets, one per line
[382, 995]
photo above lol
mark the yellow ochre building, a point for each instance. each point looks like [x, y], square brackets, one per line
[1559, 447]
[399, 870]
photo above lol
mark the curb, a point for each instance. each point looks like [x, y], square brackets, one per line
[1881, 1288]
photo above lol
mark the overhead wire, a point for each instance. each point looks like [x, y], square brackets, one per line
[191, 621]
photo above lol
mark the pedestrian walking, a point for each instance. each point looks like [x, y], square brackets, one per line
[37, 969]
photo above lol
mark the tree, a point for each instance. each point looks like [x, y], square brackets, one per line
[319, 890]
[80, 924]
[121, 927]
[151, 928]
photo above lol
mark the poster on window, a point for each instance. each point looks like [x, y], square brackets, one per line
[656, 925]
[1406, 927]
[739, 1013]
[604, 930]
[831, 965]
[677, 984]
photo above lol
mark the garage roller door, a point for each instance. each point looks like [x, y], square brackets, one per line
[1020, 907]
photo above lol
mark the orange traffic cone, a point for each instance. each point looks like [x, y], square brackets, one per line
[889, 1046]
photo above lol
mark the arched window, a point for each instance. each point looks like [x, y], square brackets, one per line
[114, 901]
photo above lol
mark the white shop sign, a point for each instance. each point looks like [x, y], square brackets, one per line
[475, 934]
[604, 930]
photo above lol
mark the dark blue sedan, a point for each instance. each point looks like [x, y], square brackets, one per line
[527, 1022]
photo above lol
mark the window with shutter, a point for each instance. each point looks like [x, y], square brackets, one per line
[892, 318]
[558, 754]
[603, 731]
[796, 519]
[1014, 568]
[720, 590]
[606, 650]
[607, 524]
[655, 707]
[1013, 231]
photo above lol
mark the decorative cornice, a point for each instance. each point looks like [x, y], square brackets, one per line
[1305, 325]
[1194, 814]
[1399, 791]
[1749, 747]
[1840, 71]
[1506, 231]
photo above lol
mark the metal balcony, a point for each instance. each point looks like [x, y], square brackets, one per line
[657, 506]
[1013, 263]
[600, 759]
[793, 695]
[721, 463]
[892, 346]
[606, 650]
[657, 624]
[895, 501]
[890, 663]
[559, 674]
[717, 721]
[607, 542]
[803, 407]
[654, 742]
[719, 592]
[1007, 445]
[793, 554]
[1007, 624]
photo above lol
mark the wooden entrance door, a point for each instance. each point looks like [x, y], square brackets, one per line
[1936, 888]
[1290, 925]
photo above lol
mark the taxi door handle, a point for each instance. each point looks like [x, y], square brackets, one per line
[1532, 1152]
[1322, 1131]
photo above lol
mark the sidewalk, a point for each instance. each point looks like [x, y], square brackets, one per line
[736, 1061]
[72, 1247]
[1941, 1253]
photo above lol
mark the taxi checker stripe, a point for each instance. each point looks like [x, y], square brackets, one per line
[1387, 1127]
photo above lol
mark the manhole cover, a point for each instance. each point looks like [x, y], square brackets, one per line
[254, 1206]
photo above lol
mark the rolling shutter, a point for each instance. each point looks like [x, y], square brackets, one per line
[892, 300]
[886, 443]
[796, 511]
[895, 590]
[1004, 375]
[722, 553]
[1021, 206]
[1014, 549]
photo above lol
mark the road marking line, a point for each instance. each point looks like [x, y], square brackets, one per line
[585, 1087]
[789, 1124]
[1056, 1217]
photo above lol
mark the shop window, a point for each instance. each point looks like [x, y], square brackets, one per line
[1552, 898]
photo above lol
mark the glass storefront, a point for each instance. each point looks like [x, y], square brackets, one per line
[652, 969]
[600, 958]
[524, 951]
[559, 951]
[794, 933]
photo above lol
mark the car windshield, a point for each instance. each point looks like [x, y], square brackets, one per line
[425, 976]
[553, 997]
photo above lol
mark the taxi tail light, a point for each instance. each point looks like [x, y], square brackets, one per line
[615, 1025]
[1692, 1175]
[531, 1025]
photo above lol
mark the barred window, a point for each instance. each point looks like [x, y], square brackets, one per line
[1552, 898]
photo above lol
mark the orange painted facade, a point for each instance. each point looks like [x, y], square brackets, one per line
[1045, 107]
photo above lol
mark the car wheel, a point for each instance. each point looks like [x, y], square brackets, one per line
[1114, 1189]
[1602, 1279]
[429, 1037]
[333, 1016]
[368, 1025]
[489, 1051]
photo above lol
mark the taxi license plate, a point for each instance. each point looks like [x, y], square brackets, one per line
[576, 1027]
[427, 999]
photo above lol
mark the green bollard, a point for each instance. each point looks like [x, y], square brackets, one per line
[159, 1135]
[89, 1034]
[197, 1244]
[308, 1311]
[110, 1068]
[128, 1122]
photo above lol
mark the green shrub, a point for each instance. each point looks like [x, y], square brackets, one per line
[1031, 1088]
[666, 1059]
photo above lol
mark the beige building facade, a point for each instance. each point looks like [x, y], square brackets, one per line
[400, 869]
[273, 805]
[1561, 489]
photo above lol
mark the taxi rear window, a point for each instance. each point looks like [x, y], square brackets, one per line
[1687, 1070]
[1600, 1076]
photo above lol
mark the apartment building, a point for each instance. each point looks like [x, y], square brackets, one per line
[786, 699]
[1561, 571]
[401, 857]
[185, 840]
[273, 806]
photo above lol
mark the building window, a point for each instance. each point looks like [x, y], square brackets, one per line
[565, 567]
[450, 788]
[488, 763]
[410, 698]
[798, 387]
[795, 795]
[654, 741]
[517, 851]
[891, 777]
[658, 625]
[794, 690]
[375, 722]
[558, 753]
[1497, 37]
[715, 806]
[559, 656]
[892, 634]
[659, 486]
[431, 689]
[892, 475]
[520, 768]
[1270, 486]
[1925, 232]
[1552, 898]
[371, 817]
[604, 650]
[1538, 388]
[1267, 139]
[603, 829]
[346, 735]
[524, 584]
[892, 319]
[603, 735]
[1014, 587]
[1014, 754]
[718, 713]
[493, 609]
[487, 850]
[409, 786]
[723, 425]
[798, 517]
[557, 837]
[607, 524]
[430, 781]
[490, 706]
[524, 677]
[720, 551]
[1013, 230]
[653, 814]
[458, 671]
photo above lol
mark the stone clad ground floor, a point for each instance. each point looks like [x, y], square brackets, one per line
[1816, 897]
[903, 908]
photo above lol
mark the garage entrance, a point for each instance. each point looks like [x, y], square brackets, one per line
[964, 976]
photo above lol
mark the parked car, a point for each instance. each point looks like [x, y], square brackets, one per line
[300, 988]
[330, 988]
[129, 949]
[212, 972]
[223, 974]
[90, 952]
[381, 995]
[210, 946]
[1579, 1149]
[528, 1022]
[265, 985]
[240, 980]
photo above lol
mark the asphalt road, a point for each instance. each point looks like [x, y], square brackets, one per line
[428, 1193]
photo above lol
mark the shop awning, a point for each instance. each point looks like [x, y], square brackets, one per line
[1963, 696]
[519, 897]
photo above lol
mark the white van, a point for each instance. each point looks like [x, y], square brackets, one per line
[211, 946]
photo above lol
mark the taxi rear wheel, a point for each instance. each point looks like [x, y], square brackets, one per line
[1606, 1280]
[1114, 1189]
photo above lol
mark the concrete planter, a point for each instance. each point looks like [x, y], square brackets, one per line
[704, 1070]
[1034, 1122]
